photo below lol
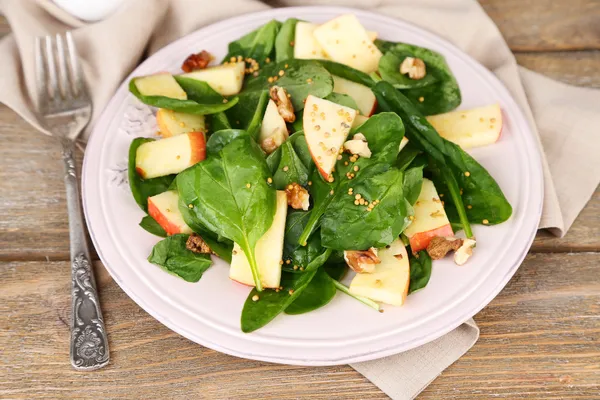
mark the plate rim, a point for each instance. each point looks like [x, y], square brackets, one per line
[534, 161]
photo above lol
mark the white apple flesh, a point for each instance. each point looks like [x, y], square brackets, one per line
[170, 156]
[268, 252]
[390, 280]
[306, 46]
[361, 94]
[164, 208]
[430, 218]
[273, 130]
[470, 128]
[326, 126]
[226, 79]
[162, 84]
[346, 41]
[172, 123]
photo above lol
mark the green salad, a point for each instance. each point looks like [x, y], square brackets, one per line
[307, 151]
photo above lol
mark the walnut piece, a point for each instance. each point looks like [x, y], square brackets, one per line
[196, 244]
[440, 246]
[197, 61]
[414, 67]
[358, 145]
[362, 261]
[464, 252]
[283, 103]
[271, 143]
[297, 197]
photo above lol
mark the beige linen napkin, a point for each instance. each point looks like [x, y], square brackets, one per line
[565, 118]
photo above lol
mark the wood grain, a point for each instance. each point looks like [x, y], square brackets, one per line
[547, 25]
[580, 68]
[539, 339]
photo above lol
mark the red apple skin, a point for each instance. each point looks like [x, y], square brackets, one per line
[421, 240]
[373, 109]
[198, 145]
[321, 171]
[140, 172]
[241, 283]
[162, 220]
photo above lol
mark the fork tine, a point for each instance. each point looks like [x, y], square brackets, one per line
[63, 73]
[51, 68]
[77, 75]
[40, 72]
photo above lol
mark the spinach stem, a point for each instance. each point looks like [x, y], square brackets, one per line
[253, 266]
[457, 199]
[362, 299]
[309, 228]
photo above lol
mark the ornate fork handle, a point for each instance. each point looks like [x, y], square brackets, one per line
[89, 344]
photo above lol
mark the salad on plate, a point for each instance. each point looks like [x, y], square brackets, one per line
[308, 151]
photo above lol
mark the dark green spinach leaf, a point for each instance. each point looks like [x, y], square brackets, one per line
[257, 45]
[255, 123]
[172, 255]
[317, 294]
[222, 138]
[150, 225]
[230, 195]
[290, 169]
[389, 69]
[284, 48]
[346, 72]
[420, 271]
[342, 99]
[413, 180]
[141, 188]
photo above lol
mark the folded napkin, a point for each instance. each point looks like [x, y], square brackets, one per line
[565, 118]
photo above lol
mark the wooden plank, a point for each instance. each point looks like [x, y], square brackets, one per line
[547, 25]
[580, 68]
[539, 340]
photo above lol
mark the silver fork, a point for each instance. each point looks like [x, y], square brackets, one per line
[64, 109]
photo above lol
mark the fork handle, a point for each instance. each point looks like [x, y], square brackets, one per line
[89, 344]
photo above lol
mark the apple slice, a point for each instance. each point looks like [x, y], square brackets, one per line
[470, 128]
[430, 218]
[344, 40]
[372, 35]
[170, 156]
[403, 143]
[273, 131]
[172, 123]
[362, 95]
[226, 79]
[305, 44]
[162, 84]
[389, 282]
[359, 120]
[268, 252]
[326, 126]
[164, 208]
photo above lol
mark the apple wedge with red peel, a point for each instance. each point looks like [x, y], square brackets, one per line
[390, 280]
[226, 79]
[162, 84]
[173, 123]
[429, 220]
[171, 155]
[268, 251]
[273, 130]
[326, 126]
[470, 128]
[346, 41]
[361, 94]
[164, 208]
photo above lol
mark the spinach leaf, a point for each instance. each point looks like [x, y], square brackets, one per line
[298, 142]
[201, 104]
[220, 245]
[436, 98]
[257, 45]
[290, 169]
[336, 270]
[230, 195]
[413, 180]
[317, 294]
[257, 314]
[347, 225]
[407, 156]
[150, 225]
[300, 257]
[322, 194]
[172, 255]
[284, 48]
[141, 188]
[342, 99]
[300, 79]
[346, 72]
[253, 128]
[219, 122]
[222, 138]
[420, 270]
[389, 69]
[240, 116]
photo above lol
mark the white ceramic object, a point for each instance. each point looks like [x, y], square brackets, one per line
[89, 10]
[344, 331]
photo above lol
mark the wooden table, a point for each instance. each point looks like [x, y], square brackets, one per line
[540, 338]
